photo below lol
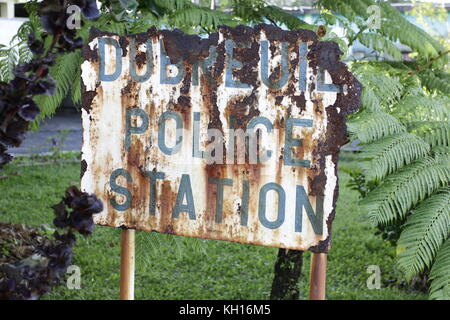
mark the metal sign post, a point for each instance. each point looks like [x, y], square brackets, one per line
[127, 261]
[318, 275]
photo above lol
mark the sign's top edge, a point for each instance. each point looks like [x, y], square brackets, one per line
[240, 32]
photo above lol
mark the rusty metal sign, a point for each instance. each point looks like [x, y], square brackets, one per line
[233, 137]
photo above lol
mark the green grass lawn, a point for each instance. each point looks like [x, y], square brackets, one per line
[171, 267]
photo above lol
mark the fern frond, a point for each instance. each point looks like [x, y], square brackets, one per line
[174, 4]
[18, 51]
[396, 27]
[440, 274]
[277, 14]
[369, 100]
[387, 89]
[23, 32]
[63, 72]
[13, 55]
[371, 126]
[33, 16]
[400, 191]
[8, 59]
[348, 10]
[442, 74]
[247, 10]
[380, 44]
[423, 108]
[393, 24]
[436, 81]
[331, 36]
[424, 232]
[104, 23]
[13, 60]
[75, 90]
[436, 133]
[24, 53]
[441, 150]
[386, 155]
[203, 17]
[146, 19]
[412, 87]
[119, 28]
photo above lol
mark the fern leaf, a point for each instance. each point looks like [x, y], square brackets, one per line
[25, 53]
[119, 28]
[436, 133]
[400, 191]
[331, 36]
[277, 14]
[423, 108]
[174, 4]
[105, 23]
[247, 11]
[441, 150]
[206, 18]
[75, 90]
[5, 74]
[371, 126]
[9, 60]
[424, 232]
[388, 154]
[63, 72]
[387, 89]
[440, 274]
[344, 7]
[394, 26]
[435, 81]
[380, 44]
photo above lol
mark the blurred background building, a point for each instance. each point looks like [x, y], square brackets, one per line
[12, 15]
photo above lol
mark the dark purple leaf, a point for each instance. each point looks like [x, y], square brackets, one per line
[29, 111]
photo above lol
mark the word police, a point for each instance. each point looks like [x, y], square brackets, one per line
[214, 153]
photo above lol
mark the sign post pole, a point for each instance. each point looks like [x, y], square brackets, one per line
[127, 265]
[318, 275]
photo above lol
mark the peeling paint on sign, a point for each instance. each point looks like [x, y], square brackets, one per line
[165, 119]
